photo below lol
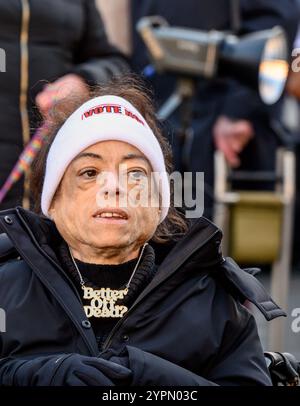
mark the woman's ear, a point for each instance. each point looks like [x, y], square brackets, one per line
[158, 215]
[51, 212]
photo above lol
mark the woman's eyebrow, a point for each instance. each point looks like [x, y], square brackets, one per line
[135, 156]
[126, 157]
[89, 155]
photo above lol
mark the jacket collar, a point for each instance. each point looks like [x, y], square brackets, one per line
[203, 240]
[33, 237]
[201, 243]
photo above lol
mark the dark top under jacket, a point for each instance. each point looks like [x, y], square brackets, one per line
[109, 276]
[187, 327]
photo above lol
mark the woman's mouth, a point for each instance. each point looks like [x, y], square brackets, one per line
[112, 216]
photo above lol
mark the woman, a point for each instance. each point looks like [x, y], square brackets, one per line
[109, 286]
[53, 47]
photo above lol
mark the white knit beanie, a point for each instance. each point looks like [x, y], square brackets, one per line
[104, 118]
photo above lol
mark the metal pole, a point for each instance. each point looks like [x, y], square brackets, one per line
[281, 268]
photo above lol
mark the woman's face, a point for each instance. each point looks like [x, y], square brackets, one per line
[105, 199]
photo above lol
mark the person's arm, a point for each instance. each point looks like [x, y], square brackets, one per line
[240, 101]
[61, 370]
[95, 59]
[238, 361]
[264, 14]
[242, 106]
[95, 62]
[243, 365]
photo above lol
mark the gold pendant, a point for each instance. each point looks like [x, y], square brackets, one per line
[103, 302]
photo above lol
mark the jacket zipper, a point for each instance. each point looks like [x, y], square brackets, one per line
[121, 321]
[24, 84]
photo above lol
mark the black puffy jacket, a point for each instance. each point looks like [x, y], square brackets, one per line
[56, 37]
[188, 326]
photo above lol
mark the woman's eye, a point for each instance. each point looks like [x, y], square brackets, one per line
[89, 174]
[136, 175]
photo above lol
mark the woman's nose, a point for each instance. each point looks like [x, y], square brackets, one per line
[109, 184]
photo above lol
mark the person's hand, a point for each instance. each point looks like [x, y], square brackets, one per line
[120, 359]
[68, 85]
[231, 137]
[80, 370]
[293, 84]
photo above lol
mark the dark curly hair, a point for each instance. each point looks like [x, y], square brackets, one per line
[133, 89]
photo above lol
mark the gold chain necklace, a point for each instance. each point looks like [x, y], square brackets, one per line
[103, 300]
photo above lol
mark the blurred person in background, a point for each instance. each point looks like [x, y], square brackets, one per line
[53, 48]
[226, 114]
